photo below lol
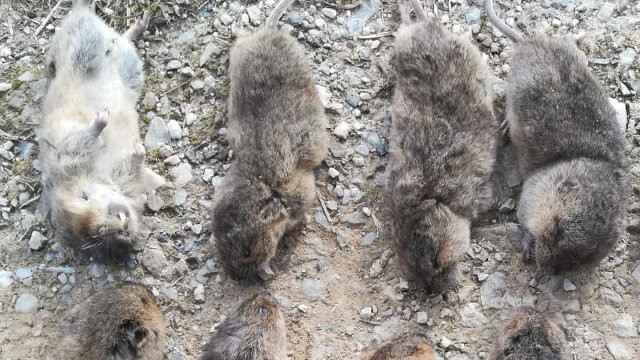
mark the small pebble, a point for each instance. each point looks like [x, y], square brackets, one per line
[26, 303]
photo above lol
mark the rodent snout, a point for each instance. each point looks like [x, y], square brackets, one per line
[121, 212]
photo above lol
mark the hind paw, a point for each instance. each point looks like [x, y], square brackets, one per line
[100, 122]
[504, 131]
[139, 27]
[138, 153]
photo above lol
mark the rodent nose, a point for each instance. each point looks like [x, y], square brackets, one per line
[121, 212]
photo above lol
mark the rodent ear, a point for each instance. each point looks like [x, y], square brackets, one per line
[263, 311]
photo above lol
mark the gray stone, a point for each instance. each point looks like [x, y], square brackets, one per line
[97, 270]
[180, 197]
[568, 285]
[329, 12]
[369, 239]
[636, 273]
[198, 294]
[422, 317]
[172, 160]
[621, 113]
[181, 174]
[5, 279]
[342, 130]
[492, 291]
[225, 18]
[624, 326]
[4, 87]
[333, 173]
[362, 149]
[217, 181]
[367, 313]
[27, 77]
[610, 297]
[374, 139]
[157, 134]
[26, 303]
[154, 261]
[7, 155]
[170, 293]
[211, 49]
[572, 307]
[341, 238]
[471, 316]
[313, 290]
[197, 85]
[37, 241]
[377, 267]
[255, 15]
[294, 18]
[23, 273]
[154, 202]
[606, 11]
[473, 15]
[186, 36]
[175, 130]
[352, 98]
[174, 65]
[627, 57]
[618, 351]
[324, 94]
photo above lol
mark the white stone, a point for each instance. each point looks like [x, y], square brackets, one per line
[342, 130]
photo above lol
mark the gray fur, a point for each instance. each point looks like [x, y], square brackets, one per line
[443, 148]
[571, 152]
[277, 132]
[90, 150]
[255, 332]
[411, 346]
[124, 323]
[529, 336]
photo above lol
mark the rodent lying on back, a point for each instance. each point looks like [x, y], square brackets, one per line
[570, 149]
[528, 336]
[256, 331]
[277, 132]
[443, 148]
[124, 323]
[93, 176]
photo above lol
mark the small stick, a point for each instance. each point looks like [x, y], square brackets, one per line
[376, 36]
[376, 223]
[32, 200]
[324, 207]
[343, 6]
[47, 19]
[174, 88]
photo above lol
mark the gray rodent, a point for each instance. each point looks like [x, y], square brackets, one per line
[255, 332]
[124, 323]
[93, 173]
[443, 148]
[413, 346]
[277, 132]
[571, 152]
[529, 335]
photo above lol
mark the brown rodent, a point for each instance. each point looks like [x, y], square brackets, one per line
[277, 132]
[405, 347]
[443, 149]
[124, 323]
[93, 173]
[255, 332]
[529, 336]
[571, 152]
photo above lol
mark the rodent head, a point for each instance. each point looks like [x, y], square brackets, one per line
[248, 222]
[261, 310]
[570, 210]
[90, 209]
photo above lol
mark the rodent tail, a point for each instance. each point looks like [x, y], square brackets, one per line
[277, 13]
[82, 3]
[504, 28]
[417, 8]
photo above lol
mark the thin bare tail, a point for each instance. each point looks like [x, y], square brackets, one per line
[417, 8]
[277, 13]
[504, 28]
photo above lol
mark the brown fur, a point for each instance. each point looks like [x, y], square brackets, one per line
[443, 147]
[405, 347]
[124, 323]
[93, 176]
[571, 151]
[255, 332]
[277, 132]
[529, 336]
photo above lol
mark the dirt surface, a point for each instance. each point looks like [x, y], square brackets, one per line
[338, 284]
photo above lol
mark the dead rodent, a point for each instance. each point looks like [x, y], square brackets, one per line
[277, 132]
[93, 173]
[406, 347]
[571, 152]
[443, 148]
[255, 332]
[529, 336]
[124, 323]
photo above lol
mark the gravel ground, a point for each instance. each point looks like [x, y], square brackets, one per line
[338, 285]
